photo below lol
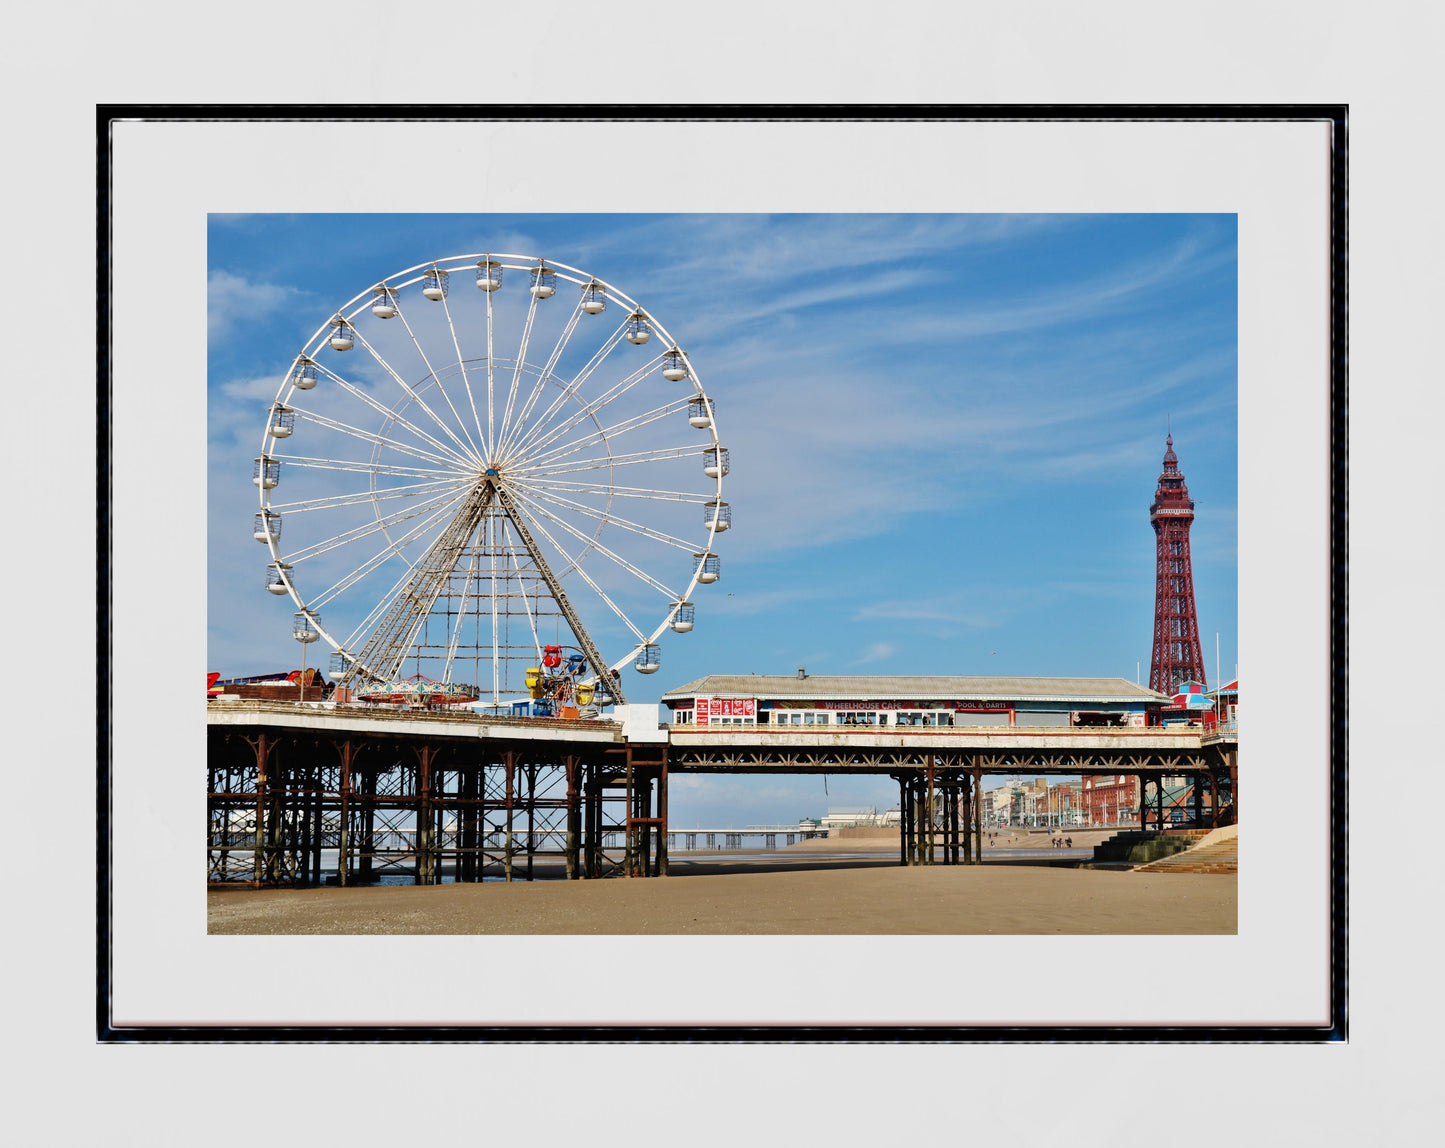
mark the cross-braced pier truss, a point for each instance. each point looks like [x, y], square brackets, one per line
[302, 808]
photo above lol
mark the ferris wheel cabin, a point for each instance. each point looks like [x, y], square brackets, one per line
[682, 618]
[699, 412]
[638, 332]
[303, 378]
[266, 473]
[283, 421]
[267, 527]
[489, 275]
[278, 576]
[341, 336]
[385, 305]
[707, 567]
[674, 370]
[434, 285]
[717, 515]
[544, 282]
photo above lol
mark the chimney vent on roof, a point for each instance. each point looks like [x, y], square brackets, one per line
[802, 672]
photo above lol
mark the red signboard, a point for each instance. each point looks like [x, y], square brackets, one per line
[708, 708]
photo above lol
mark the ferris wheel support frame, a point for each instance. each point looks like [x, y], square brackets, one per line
[584, 639]
[387, 647]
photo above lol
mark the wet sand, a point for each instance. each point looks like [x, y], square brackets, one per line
[785, 893]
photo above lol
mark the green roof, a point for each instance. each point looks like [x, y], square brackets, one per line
[922, 687]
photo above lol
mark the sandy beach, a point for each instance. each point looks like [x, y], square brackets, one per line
[793, 891]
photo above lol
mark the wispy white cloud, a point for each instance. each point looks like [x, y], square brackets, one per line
[877, 652]
[231, 299]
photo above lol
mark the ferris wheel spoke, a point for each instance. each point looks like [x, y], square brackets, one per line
[373, 439]
[542, 433]
[440, 504]
[456, 634]
[404, 579]
[466, 378]
[462, 459]
[539, 386]
[607, 433]
[467, 451]
[613, 520]
[356, 639]
[357, 497]
[526, 603]
[497, 534]
[575, 564]
[604, 462]
[491, 385]
[348, 580]
[517, 371]
[602, 488]
[592, 544]
[312, 463]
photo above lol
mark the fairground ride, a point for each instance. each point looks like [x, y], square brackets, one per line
[460, 481]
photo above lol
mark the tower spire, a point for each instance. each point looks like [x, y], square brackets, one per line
[1176, 657]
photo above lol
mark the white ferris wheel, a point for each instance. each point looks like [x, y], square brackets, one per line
[453, 477]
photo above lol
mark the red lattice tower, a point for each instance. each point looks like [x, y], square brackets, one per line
[1176, 657]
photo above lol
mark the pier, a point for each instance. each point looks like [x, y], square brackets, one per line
[313, 794]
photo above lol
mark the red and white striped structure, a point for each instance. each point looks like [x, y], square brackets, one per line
[1176, 657]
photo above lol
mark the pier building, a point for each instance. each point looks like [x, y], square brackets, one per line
[889, 701]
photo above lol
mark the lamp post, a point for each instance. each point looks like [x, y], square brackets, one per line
[303, 629]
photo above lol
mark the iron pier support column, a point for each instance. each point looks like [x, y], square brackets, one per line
[574, 814]
[1233, 758]
[977, 814]
[929, 819]
[953, 799]
[903, 817]
[592, 820]
[343, 854]
[510, 772]
[531, 774]
[368, 825]
[258, 854]
[629, 854]
[662, 817]
[425, 861]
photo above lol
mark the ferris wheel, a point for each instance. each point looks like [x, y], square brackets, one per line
[456, 478]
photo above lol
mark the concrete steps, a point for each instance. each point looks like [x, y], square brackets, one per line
[1140, 847]
[1216, 857]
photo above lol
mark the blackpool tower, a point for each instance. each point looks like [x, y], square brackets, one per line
[1176, 656]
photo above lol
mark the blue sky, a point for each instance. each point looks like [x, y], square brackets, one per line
[945, 432]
